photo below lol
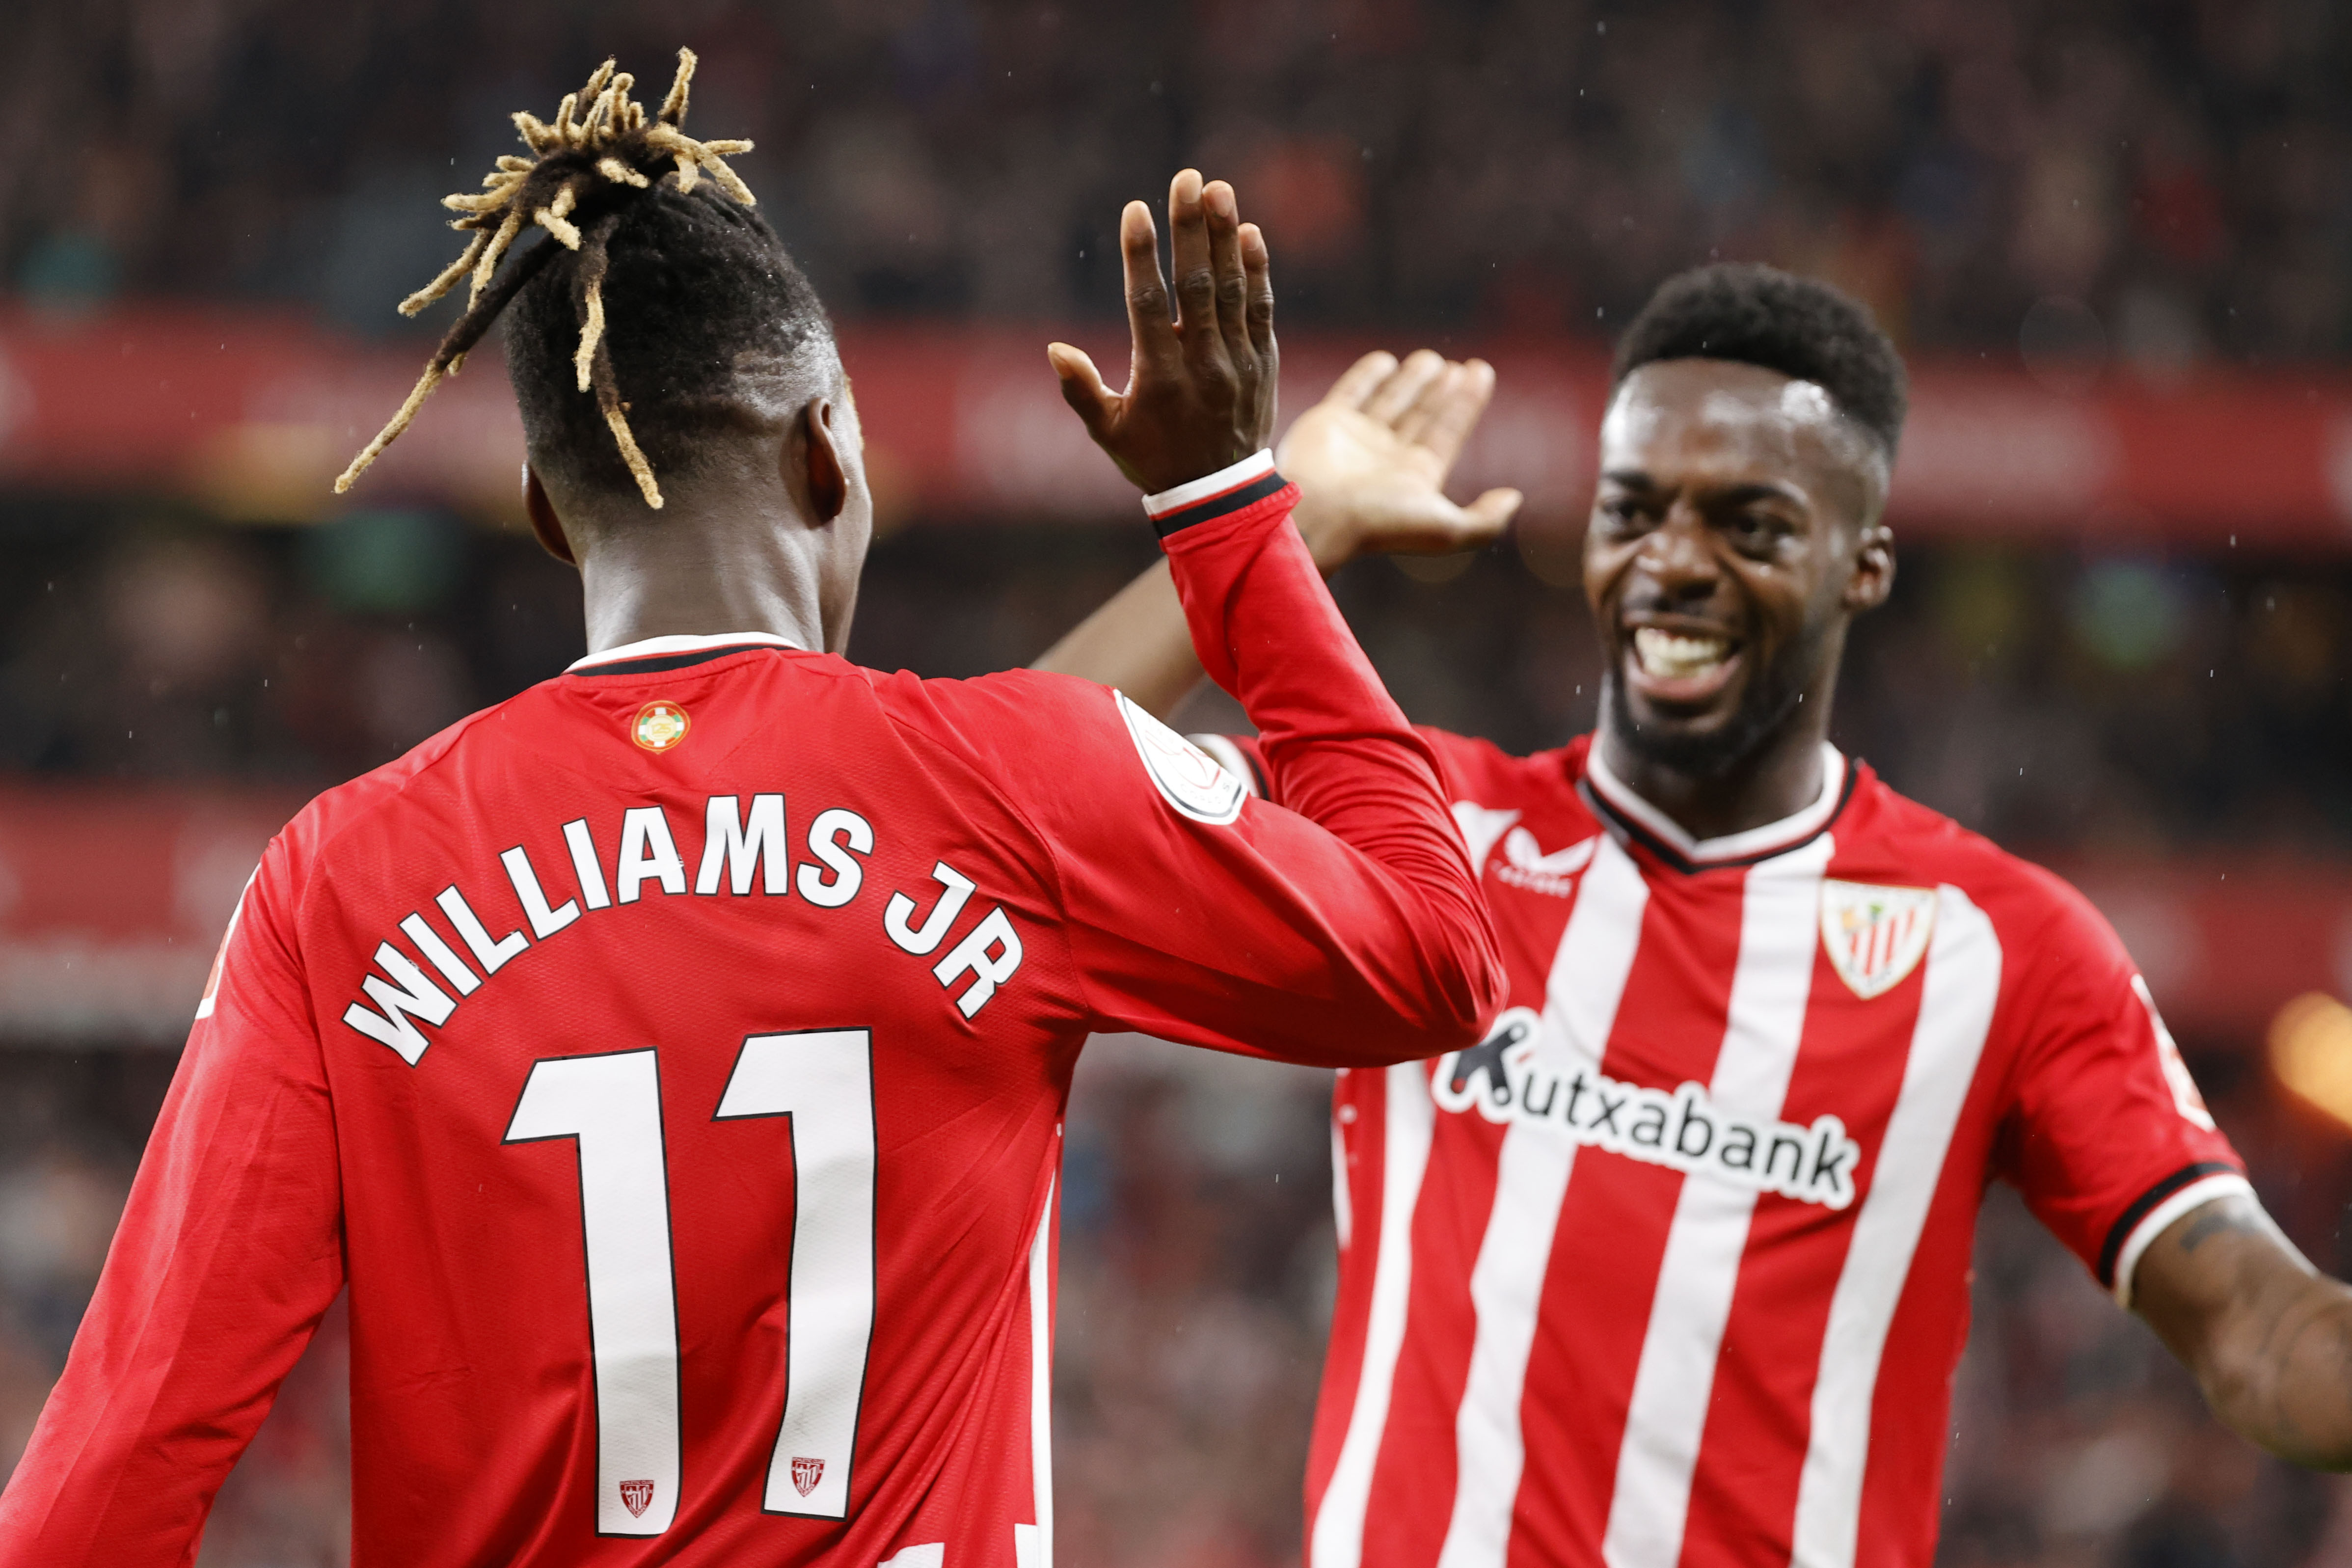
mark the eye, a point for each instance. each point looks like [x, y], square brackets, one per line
[1621, 513]
[1757, 529]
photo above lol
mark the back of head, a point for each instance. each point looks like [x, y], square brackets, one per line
[660, 310]
[1762, 316]
[709, 324]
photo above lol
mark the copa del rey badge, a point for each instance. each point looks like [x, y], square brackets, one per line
[806, 1473]
[1188, 778]
[1875, 936]
[659, 726]
[637, 1496]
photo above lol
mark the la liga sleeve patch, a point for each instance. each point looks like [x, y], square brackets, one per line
[1187, 778]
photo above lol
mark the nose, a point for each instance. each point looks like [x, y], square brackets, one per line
[1677, 557]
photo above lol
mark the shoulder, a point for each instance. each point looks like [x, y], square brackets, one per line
[382, 791]
[1477, 769]
[2044, 922]
[985, 715]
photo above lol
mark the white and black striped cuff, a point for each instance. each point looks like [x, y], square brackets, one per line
[2146, 1220]
[1229, 490]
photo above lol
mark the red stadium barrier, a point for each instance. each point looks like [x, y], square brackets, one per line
[255, 413]
[112, 902]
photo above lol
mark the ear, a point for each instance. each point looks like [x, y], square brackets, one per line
[543, 520]
[1874, 569]
[828, 479]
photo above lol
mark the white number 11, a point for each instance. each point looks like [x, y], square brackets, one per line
[611, 1106]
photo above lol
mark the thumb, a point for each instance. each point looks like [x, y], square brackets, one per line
[1491, 512]
[1082, 386]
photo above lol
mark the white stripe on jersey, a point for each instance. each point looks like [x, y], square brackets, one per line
[1955, 1007]
[1587, 979]
[1338, 1535]
[1033, 1544]
[1764, 1025]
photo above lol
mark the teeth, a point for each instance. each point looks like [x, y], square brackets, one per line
[1671, 657]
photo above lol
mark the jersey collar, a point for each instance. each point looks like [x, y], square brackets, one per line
[649, 655]
[1616, 801]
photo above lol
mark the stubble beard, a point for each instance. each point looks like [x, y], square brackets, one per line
[1769, 703]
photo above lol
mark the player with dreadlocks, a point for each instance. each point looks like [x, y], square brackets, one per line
[582, 170]
[670, 1060]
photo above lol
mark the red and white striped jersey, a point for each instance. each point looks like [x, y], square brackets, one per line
[1673, 1270]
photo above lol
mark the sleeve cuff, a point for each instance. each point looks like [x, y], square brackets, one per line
[2200, 1190]
[1213, 495]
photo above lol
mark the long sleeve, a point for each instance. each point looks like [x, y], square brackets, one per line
[228, 1253]
[1343, 927]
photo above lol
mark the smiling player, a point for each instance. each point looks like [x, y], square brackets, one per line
[1673, 1268]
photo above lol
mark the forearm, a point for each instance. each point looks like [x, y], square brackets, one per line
[1137, 642]
[2268, 1338]
[1338, 750]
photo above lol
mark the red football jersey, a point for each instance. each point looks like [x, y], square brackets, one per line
[1674, 1267]
[670, 1062]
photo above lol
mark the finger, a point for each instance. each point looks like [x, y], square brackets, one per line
[1257, 269]
[1410, 424]
[1082, 386]
[1225, 219]
[1441, 527]
[1394, 396]
[1452, 416]
[1190, 268]
[1359, 380]
[1148, 320]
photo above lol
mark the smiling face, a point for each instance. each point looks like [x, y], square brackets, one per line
[1734, 535]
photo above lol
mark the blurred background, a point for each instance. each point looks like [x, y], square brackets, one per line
[2113, 238]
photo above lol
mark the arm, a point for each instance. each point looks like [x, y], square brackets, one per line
[1370, 462]
[228, 1253]
[1351, 930]
[2269, 1336]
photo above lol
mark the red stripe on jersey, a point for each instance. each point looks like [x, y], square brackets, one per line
[1417, 1469]
[1614, 1231]
[1744, 1491]
[1359, 1100]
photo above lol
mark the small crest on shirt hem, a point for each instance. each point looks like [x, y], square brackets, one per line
[806, 1473]
[1187, 778]
[659, 726]
[1875, 935]
[636, 1497]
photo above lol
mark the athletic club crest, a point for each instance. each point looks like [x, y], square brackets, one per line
[806, 1473]
[659, 726]
[1875, 936]
[636, 1497]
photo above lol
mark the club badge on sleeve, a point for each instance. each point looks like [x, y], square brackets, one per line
[1875, 936]
[1188, 778]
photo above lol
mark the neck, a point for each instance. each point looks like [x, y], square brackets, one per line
[703, 570]
[1777, 778]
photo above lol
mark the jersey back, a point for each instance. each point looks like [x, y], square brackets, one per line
[696, 1076]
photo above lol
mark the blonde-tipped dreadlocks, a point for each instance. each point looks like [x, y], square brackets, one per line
[599, 140]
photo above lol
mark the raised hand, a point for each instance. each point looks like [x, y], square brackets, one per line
[1371, 461]
[1200, 385]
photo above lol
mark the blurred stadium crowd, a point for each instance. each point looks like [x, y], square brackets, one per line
[2174, 164]
[2155, 185]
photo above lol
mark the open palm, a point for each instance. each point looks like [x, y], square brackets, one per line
[1371, 461]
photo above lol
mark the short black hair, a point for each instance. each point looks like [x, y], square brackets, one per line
[697, 288]
[1758, 315]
